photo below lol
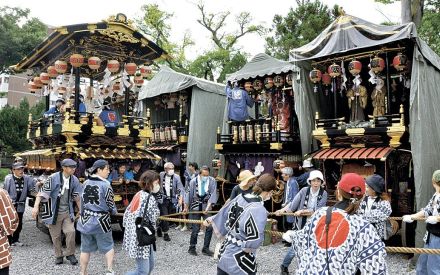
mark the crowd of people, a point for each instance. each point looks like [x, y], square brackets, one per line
[346, 238]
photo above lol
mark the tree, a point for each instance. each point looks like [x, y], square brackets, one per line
[410, 10]
[19, 33]
[299, 27]
[14, 123]
[225, 57]
[430, 26]
[425, 14]
[155, 24]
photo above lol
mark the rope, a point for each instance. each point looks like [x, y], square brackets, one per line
[390, 249]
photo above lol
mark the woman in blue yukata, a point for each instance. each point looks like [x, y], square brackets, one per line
[430, 264]
[241, 222]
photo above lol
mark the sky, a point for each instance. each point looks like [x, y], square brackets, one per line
[185, 13]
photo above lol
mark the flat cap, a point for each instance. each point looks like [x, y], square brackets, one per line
[68, 163]
[18, 165]
[100, 163]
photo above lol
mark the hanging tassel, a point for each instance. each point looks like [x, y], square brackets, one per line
[344, 77]
[107, 75]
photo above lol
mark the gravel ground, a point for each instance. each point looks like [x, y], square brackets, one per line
[36, 257]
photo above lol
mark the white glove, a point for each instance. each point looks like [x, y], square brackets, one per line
[288, 235]
[407, 218]
[432, 219]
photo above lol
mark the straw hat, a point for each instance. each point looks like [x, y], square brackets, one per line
[245, 176]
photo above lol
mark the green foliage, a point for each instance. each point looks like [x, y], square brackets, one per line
[3, 173]
[429, 29]
[19, 35]
[14, 123]
[299, 27]
[155, 24]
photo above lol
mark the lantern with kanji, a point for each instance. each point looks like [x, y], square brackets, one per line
[258, 85]
[77, 60]
[334, 70]
[138, 80]
[44, 78]
[32, 87]
[248, 86]
[113, 66]
[131, 68]
[400, 62]
[52, 72]
[377, 64]
[315, 75]
[94, 62]
[278, 81]
[145, 71]
[268, 82]
[289, 79]
[355, 67]
[326, 79]
[60, 66]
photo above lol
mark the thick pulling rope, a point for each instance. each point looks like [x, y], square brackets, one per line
[389, 249]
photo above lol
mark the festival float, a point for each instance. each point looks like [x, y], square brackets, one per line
[366, 94]
[96, 61]
[185, 113]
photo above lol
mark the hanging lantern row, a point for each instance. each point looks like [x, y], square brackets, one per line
[377, 64]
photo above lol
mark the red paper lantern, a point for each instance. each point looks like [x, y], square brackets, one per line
[113, 66]
[315, 75]
[94, 62]
[131, 68]
[268, 82]
[38, 82]
[326, 79]
[77, 60]
[289, 79]
[377, 64]
[32, 87]
[52, 72]
[278, 81]
[44, 78]
[354, 67]
[258, 85]
[61, 66]
[138, 80]
[400, 62]
[334, 70]
[248, 86]
[145, 71]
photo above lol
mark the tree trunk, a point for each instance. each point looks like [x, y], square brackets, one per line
[405, 12]
[417, 11]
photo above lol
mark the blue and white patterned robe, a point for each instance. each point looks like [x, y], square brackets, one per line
[192, 198]
[380, 211]
[176, 189]
[28, 189]
[97, 203]
[51, 193]
[134, 210]
[242, 238]
[353, 244]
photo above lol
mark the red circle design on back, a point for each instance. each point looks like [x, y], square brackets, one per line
[337, 233]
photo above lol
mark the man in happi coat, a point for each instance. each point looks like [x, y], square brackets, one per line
[19, 187]
[56, 196]
[201, 196]
[170, 194]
